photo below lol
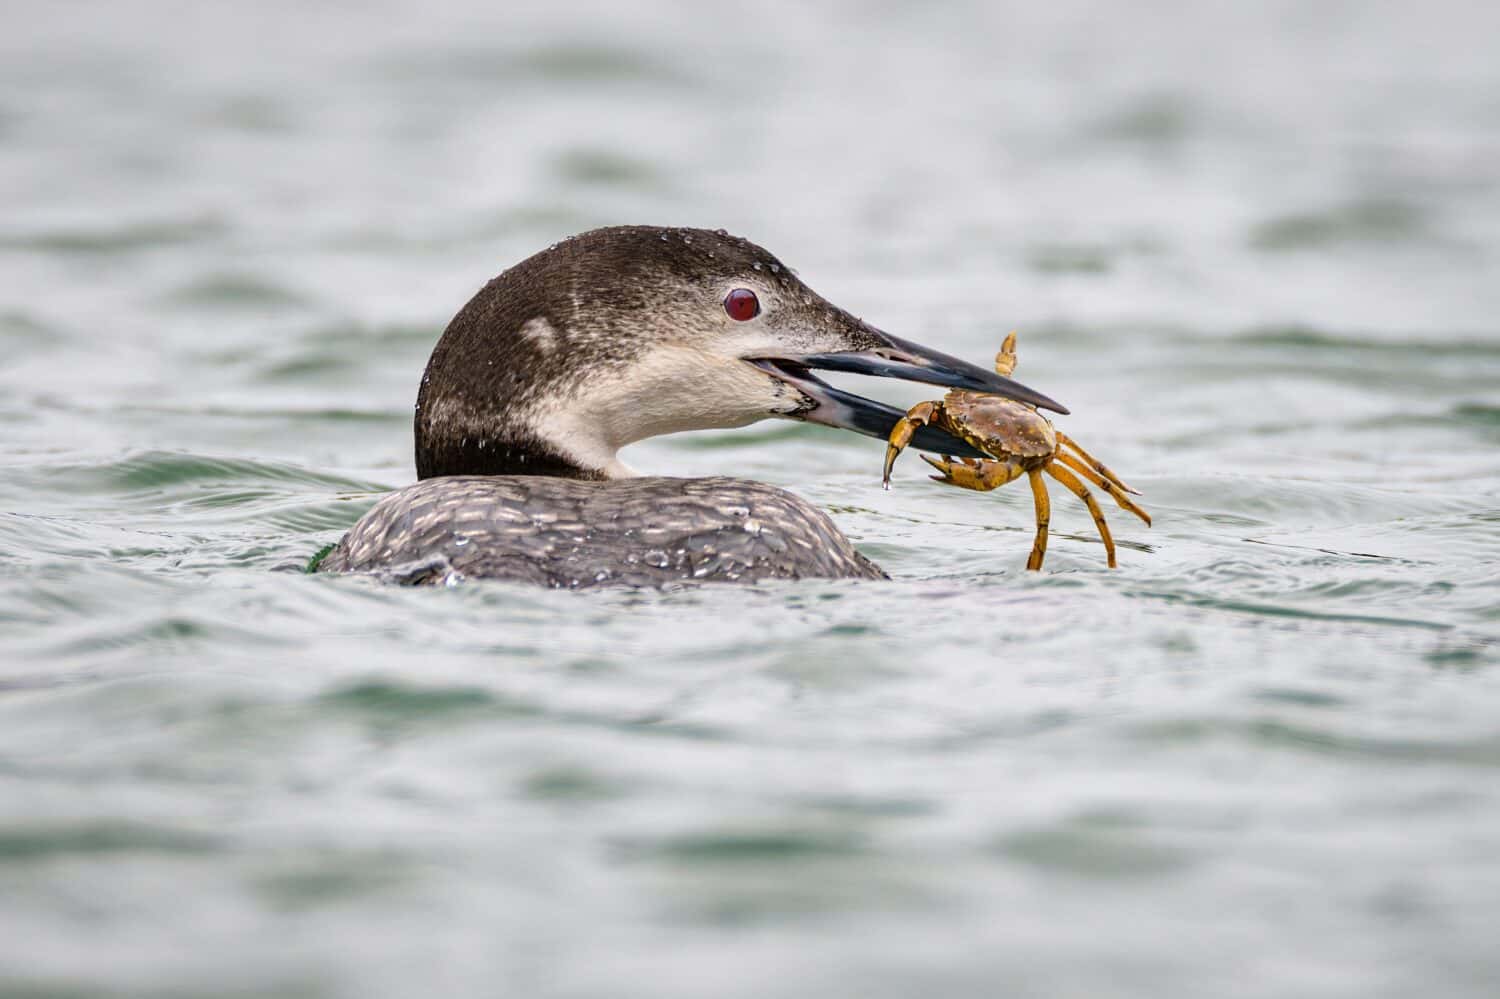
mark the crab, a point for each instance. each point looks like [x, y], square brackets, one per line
[1021, 441]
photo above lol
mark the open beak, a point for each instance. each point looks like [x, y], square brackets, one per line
[892, 358]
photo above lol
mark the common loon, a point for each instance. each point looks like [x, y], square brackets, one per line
[608, 338]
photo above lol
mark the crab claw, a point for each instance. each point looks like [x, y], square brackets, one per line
[945, 465]
[979, 475]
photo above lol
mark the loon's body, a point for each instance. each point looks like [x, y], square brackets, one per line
[608, 338]
[567, 533]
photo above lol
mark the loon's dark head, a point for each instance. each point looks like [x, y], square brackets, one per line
[625, 333]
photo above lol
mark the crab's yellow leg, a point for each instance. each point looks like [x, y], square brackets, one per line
[1078, 489]
[1043, 517]
[1099, 466]
[1112, 490]
[919, 415]
[978, 475]
[1005, 361]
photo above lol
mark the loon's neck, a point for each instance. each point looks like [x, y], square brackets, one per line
[454, 437]
[477, 417]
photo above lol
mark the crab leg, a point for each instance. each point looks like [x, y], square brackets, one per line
[901, 434]
[1098, 465]
[978, 475]
[1109, 487]
[1005, 361]
[1078, 489]
[1043, 516]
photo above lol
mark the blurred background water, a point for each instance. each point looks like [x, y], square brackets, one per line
[1256, 247]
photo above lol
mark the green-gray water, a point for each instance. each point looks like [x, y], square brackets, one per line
[1256, 249]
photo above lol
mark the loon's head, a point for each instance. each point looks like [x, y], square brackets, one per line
[625, 333]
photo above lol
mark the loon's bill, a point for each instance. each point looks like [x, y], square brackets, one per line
[901, 359]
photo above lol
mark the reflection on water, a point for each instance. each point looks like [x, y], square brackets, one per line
[1253, 248]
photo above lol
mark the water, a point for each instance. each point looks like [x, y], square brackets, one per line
[1255, 248]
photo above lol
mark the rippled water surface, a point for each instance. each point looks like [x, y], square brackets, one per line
[1256, 249]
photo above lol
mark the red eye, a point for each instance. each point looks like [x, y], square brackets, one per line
[741, 304]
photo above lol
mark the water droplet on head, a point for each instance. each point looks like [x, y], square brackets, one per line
[756, 265]
[722, 232]
[658, 558]
[687, 239]
[775, 269]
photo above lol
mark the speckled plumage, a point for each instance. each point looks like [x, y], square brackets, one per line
[576, 534]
